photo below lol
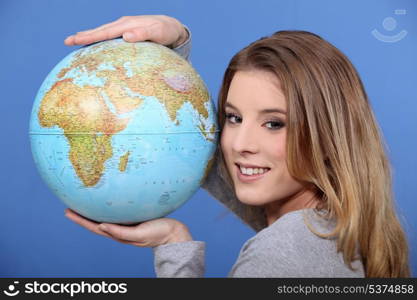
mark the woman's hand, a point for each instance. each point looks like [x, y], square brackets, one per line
[148, 234]
[156, 28]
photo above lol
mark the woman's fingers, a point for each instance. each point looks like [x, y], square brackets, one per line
[131, 35]
[95, 36]
[138, 34]
[74, 39]
[122, 232]
[147, 234]
[90, 225]
[110, 31]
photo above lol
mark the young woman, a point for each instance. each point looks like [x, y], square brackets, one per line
[301, 160]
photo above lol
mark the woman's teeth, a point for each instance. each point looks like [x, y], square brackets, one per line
[252, 171]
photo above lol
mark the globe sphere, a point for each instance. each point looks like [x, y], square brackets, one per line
[123, 132]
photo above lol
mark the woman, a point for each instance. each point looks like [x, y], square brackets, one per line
[300, 159]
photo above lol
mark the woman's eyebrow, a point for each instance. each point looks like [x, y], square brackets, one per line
[263, 111]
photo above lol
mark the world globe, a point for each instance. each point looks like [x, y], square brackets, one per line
[123, 132]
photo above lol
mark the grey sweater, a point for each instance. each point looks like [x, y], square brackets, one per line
[286, 248]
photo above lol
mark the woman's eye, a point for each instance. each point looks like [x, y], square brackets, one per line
[232, 118]
[272, 125]
[275, 125]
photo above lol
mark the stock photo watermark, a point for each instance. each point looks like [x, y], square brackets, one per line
[390, 25]
[70, 289]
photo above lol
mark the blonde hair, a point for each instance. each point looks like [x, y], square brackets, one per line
[334, 143]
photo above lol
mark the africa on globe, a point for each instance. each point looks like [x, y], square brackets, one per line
[123, 132]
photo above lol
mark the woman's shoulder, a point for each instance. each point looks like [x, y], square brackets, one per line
[290, 233]
[288, 248]
[294, 225]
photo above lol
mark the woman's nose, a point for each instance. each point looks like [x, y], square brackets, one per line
[245, 139]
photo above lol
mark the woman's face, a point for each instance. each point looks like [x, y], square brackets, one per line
[254, 138]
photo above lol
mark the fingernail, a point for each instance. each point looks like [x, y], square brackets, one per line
[128, 36]
[103, 227]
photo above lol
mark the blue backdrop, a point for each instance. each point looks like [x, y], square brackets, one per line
[36, 240]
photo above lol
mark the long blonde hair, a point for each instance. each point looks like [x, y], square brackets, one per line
[334, 143]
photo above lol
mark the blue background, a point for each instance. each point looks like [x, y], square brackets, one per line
[36, 240]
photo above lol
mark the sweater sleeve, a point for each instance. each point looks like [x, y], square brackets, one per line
[184, 49]
[185, 259]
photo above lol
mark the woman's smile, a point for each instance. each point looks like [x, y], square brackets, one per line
[250, 174]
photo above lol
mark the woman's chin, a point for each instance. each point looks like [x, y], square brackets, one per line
[249, 197]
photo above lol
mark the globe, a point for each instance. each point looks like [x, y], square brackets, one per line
[123, 132]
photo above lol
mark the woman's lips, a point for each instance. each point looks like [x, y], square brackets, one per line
[249, 178]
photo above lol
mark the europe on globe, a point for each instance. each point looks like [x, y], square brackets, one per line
[123, 132]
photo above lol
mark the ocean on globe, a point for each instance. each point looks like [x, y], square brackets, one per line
[123, 132]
